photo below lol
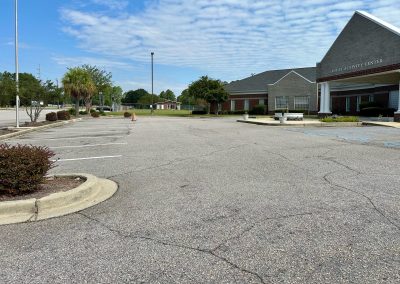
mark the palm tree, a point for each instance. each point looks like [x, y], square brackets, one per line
[78, 83]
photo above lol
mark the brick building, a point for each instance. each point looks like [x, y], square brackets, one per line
[362, 65]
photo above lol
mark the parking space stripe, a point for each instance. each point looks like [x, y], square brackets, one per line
[90, 145]
[87, 158]
[64, 138]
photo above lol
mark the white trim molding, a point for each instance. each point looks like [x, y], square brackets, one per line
[292, 71]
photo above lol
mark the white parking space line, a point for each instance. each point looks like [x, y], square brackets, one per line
[87, 158]
[92, 128]
[89, 145]
[64, 138]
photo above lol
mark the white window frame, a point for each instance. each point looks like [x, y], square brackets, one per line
[246, 104]
[285, 102]
[347, 104]
[233, 105]
[371, 98]
[304, 106]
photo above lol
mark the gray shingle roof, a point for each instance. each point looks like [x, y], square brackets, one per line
[259, 82]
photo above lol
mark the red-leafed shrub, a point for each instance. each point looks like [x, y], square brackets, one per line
[23, 167]
[95, 114]
[63, 115]
[127, 114]
[51, 116]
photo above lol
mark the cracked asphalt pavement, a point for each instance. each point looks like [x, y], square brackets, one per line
[216, 201]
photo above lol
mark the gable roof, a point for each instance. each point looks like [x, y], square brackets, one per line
[259, 83]
[380, 22]
[365, 45]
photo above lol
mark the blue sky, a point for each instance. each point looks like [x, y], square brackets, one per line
[225, 39]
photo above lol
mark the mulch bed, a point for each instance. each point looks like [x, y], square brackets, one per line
[5, 131]
[51, 185]
[40, 123]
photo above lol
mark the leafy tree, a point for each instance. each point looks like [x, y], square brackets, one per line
[149, 99]
[210, 90]
[102, 81]
[133, 97]
[78, 84]
[54, 93]
[116, 94]
[168, 95]
[33, 95]
[184, 98]
[7, 88]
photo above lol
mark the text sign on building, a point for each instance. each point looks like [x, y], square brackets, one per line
[355, 67]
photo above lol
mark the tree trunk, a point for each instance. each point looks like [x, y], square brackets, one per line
[77, 107]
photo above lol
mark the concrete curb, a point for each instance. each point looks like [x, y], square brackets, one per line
[384, 124]
[25, 131]
[93, 191]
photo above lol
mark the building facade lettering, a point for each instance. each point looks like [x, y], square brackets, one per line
[357, 66]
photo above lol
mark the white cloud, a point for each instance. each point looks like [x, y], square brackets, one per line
[112, 4]
[227, 38]
[100, 62]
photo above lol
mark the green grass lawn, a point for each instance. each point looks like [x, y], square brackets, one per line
[341, 119]
[158, 112]
[167, 112]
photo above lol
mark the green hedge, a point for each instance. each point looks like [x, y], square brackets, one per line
[51, 116]
[341, 119]
[23, 167]
[63, 115]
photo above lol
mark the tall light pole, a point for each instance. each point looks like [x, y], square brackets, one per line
[16, 66]
[152, 83]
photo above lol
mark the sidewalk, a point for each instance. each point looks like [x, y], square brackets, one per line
[382, 123]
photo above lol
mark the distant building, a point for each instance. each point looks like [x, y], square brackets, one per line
[168, 105]
[362, 66]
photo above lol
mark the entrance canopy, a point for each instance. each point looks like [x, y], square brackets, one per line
[366, 51]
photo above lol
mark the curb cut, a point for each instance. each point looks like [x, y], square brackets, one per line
[375, 123]
[93, 191]
[22, 132]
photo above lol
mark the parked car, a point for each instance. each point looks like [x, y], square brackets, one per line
[105, 108]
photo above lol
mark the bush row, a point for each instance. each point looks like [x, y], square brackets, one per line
[377, 111]
[23, 167]
[59, 115]
[341, 119]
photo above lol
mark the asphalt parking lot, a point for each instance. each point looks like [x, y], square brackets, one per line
[7, 116]
[216, 201]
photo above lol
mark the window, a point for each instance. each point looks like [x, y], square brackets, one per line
[358, 102]
[233, 105]
[302, 103]
[347, 104]
[246, 104]
[394, 99]
[281, 102]
[371, 98]
[261, 101]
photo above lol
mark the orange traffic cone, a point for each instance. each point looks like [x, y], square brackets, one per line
[133, 117]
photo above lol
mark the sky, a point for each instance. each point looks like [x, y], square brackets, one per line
[224, 39]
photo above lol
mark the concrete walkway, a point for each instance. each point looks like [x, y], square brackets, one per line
[301, 123]
[382, 123]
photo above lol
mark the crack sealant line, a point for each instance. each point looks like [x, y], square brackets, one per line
[198, 249]
[332, 184]
[179, 160]
[209, 252]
